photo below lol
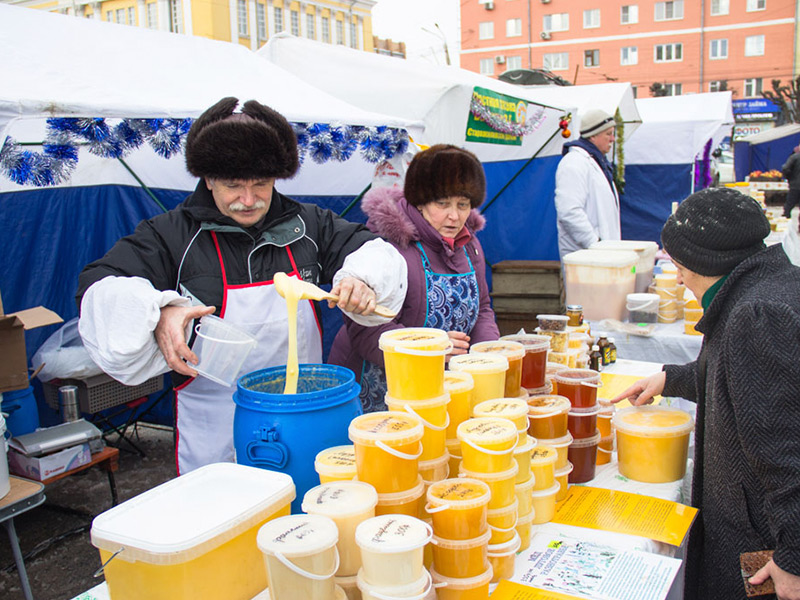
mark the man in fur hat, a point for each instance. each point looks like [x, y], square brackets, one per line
[217, 253]
[587, 203]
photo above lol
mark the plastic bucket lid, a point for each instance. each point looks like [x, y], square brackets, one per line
[297, 535]
[531, 342]
[540, 407]
[565, 470]
[557, 322]
[645, 302]
[482, 362]
[506, 548]
[336, 460]
[543, 455]
[461, 544]
[416, 590]
[461, 493]
[340, 498]
[576, 376]
[404, 496]
[487, 430]
[510, 349]
[653, 421]
[422, 341]
[458, 381]
[551, 491]
[389, 534]
[507, 408]
[560, 442]
[584, 442]
[509, 473]
[390, 427]
[459, 584]
[601, 258]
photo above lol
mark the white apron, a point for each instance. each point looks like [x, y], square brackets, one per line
[204, 409]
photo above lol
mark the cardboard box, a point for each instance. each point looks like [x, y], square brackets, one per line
[14, 366]
[45, 467]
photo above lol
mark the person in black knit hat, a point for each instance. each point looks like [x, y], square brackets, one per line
[217, 253]
[746, 383]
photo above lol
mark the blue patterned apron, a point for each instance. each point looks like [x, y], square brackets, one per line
[452, 304]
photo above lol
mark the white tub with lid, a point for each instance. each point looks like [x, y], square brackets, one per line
[192, 537]
[645, 250]
[600, 280]
[392, 548]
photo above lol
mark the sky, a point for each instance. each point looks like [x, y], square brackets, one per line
[414, 22]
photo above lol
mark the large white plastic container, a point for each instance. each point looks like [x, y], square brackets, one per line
[600, 281]
[647, 258]
[194, 537]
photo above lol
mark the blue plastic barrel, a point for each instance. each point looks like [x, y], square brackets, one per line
[23, 416]
[285, 432]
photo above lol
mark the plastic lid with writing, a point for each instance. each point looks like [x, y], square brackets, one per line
[337, 459]
[510, 349]
[545, 406]
[531, 342]
[340, 498]
[458, 381]
[387, 426]
[509, 473]
[575, 376]
[480, 363]
[507, 408]
[585, 442]
[601, 258]
[543, 455]
[414, 338]
[461, 493]
[559, 442]
[192, 514]
[392, 533]
[653, 421]
[297, 535]
[462, 584]
[487, 430]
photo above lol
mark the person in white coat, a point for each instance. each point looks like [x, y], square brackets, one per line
[587, 202]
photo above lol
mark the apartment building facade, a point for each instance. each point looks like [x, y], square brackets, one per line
[686, 46]
[246, 22]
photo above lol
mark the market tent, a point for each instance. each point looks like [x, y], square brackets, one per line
[660, 158]
[766, 150]
[446, 99]
[114, 103]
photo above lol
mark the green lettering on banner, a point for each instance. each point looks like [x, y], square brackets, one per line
[510, 109]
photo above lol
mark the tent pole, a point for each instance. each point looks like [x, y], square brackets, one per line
[355, 201]
[147, 190]
[521, 169]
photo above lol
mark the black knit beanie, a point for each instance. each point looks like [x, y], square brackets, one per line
[714, 230]
[256, 143]
[444, 171]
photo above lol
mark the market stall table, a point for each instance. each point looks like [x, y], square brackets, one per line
[22, 497]
[668, 344]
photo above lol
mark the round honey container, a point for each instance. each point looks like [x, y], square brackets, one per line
[653, 442]
[522, 454]
[561, 446]
[551, 368]
[582, 422]
[535, 359]
[414, 360]
[502, 522]
[513, 409]
[300, 556]
[515, 353]
[523, 493]
[579, 385]
[435, 469]
[348, 503]
[488, 374]
[337, 463]
[604, 450]
[472, 588]
[387, 447]
[524, 526]
[501, 484]
[501, 557]
[487, 444]
[458, 508]
[544, 504]
[434, 417]
[392, 547]
[418, 590]
[583, 456]
[410, 502]
[460, 558]
[548, 416]
[543, 467]
[459, 385]
[562, 478]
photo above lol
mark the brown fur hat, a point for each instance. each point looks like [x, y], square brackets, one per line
[255, 143]
[444, 171]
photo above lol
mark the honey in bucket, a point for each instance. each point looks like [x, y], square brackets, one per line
[435, 418]
[515, 353]
[488, 374]
[502, 522]
[414, 360]
[513, 409]
[501, 484]
[579, 385]
[459, 385]
[460, 558]
[487, 444]
[336, 464]
[392, 549]
[535, 359]
[582, 454]
[409, 502]
[543, 467]
[458, 507]
[548, 416]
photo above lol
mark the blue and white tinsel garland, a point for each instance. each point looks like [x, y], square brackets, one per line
[59, 156]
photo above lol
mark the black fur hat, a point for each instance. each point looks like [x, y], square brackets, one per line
[444, 171]
[255, 143]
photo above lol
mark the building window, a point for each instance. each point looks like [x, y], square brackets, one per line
[753, 5]
[673, 89]
[310, 27]
[340, 32]
[629, 14]
[669, 11]
[591, 18]
[121, 16]
[152, 15]
[277, 14]
[294, 19]
[513, 27]
[557, 22]
[720, 7]
[326, 30]
[668, 52]
[241, 16]
[716, 86]
[131, 15]
[175, 18]
[109, 16]
[261, 21]
[486, 30]
[754, 45]
[752, 87]
[591, 58]
[513, 62]
[556, 61]
[719, 49]
[353, 35]
[629, 55]
[487, 66]
[635, 91]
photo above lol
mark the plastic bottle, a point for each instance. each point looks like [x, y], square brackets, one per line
[612, 351]
[596, 359]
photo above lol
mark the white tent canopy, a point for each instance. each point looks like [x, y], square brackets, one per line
[775, 133]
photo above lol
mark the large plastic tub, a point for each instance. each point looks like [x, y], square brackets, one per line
[194, 537]
[647, 257]
[600, 281]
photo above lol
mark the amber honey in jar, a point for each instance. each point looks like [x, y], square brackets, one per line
[574, 315]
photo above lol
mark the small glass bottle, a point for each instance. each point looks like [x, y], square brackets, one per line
[603, 345]
[612, 351]
[596, 359]
[575, 315]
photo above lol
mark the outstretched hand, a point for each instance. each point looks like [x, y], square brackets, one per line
[644, 390]
[171, 336]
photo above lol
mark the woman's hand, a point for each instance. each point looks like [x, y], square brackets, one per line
[643, 391]
[460, 342]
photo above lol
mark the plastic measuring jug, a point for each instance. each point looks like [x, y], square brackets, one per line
[458, 507]
[392, 548]
[488, 374]
[515, 353]
[336, 464]
[414, 362]
[460, 558]
[513, 409]
[547, 416]
[221, 349]
[459, 385]
[435, 418]
[487, 444]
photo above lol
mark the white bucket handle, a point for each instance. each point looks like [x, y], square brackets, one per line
[500, 529]
[425, 422]
[604, 450]
[472, 444]
[303, 573]
[443, 352]
[435, 509]
[220, 341]
[594, 385]
[544, 415]
[380, 444]
[420, 596]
